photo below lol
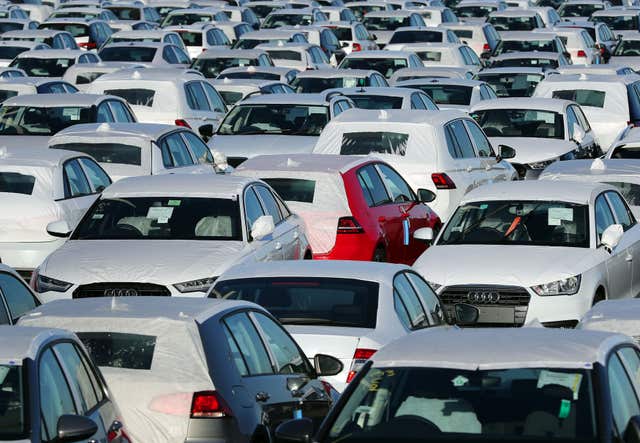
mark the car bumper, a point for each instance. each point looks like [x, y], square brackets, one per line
[76, 292]
[27, 255]
[214, 430]
[356, 247]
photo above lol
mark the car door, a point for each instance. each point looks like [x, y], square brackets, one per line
[199, 110]
[623, 397]
[17, 298]
[468, 167]
[492, 170]
[78, 194]
[286, 233]
[617, 268]
[264, 249]
[585, 146]
[630, 242]
[590, 142]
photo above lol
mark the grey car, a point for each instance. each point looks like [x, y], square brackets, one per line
[51, 391]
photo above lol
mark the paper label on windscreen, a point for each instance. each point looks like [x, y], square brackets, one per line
[160, 213]
[571, 381]
[556, 215]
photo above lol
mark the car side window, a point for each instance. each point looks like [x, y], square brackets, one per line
[96, 175]
[214, 98]
[198, 147]
[417, 316]
[169, 56]
[372, 187]
[461, 138]
[269, 203]
[104, 114]
[416, 103]
[452, 146]
[75, 182]
[181, 56]
[248, 341]
[289, 359]
[582, 119]
[252, 207]
[481, 141]
[18, 297]
[631, 360]
[177, 153]
[429, 298]
[398, 188]
[572, 120]
[604, 217]
[55, 395]
[624, 403]
[120, 112]
[620, 209]
[80, 379]
[196, 98]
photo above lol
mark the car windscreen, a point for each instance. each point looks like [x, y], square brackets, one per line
[308, 300]
[416, 37]
[261, 11]
[512, 85]
[385, 23]
[43, 67]
[119, 350]
[8, 26]
[319, 84]
[211, 67]
[474, 11]
[446, 94]
[281, 54]
[161, 218]
[16, 183]
[135, 39]
[75, 29]
[276, 119]
[124, 13]
[293, 189]
[524, 45]
[398, 403]
[364, 143]
[231, 97]
[87, 77]
[626, 151]
[513, 23]
[628, 48]
[528, 62]
[385, 66]
[108, 153]
[191, 38]
[11, 52]
[134, 96]
[536, 223]
[13, 411]
[185, 19]
[583, 97]
[33, 120]
[579, 9]
[278, 20]
[342, 34]
[376, 101]
[360, 11]
[7, 93]
[618, 22]
[127, 54]
[249, 74]
[520, 123]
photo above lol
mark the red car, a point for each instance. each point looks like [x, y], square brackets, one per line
[355, 208]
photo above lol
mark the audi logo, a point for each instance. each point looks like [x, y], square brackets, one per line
[120, 292]
[481, 297]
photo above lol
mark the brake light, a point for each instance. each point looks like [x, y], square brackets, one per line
[209, 404]
[349, 225]
[357, 47]
[486, 47]
[327, 387]
[581, 53]
[359, 358]
[442, 181]
[184, 123]
[88, 45]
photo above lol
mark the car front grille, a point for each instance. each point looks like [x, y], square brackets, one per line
[120, 290]
[488, 296]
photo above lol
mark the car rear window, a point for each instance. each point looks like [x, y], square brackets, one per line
[11, 52]
[308, 300]
[377, 101]
[5, 94]
[430, 56]
[118, 350]
[363, 143]
[107, 152]
[293, 189]
[136, 97]
[447, 94]
[583, 97]
[416, 37]
[87, 77]
[285, 55]
[191, 38]
[16, 183]
[75, 29]
[127, 54]
[463, 33]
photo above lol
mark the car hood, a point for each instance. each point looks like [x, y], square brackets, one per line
[141, 261]
[24, 141]
[632, 62]
[532, 150]
[504, 264]
[252, 145]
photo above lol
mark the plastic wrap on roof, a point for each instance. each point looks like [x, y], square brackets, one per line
[622, 316]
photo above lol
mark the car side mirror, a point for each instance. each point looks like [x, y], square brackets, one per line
[424, 234]
[505, 152]
[612, 236]
[75, 428]
[426, 196]
[345, 44]
[206, 131]
[578, 133]
[632, 433]
[299, 430]
[262, 227]
[486, 55]
[59, 228]
[567, 55]
[326, 365]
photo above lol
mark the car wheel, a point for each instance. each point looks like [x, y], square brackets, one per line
[379, 255]
[598, 297]
[308, 255]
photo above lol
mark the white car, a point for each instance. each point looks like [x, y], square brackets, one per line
[535, 250]
[514, 82]
[627, 52]
[168, 96]
[149, 54]
[540, 131]
[519, 41]
[316, 81]
[434, 15]
[273, 73]
[190, 16]
[82, 75]
[55, 39]
[579, 45]
[455, 55]
[10, 49]
[147, 35]
[627, 145]
[11, 87]
[213, 61]
[252, 39]
[180, 231]
[51, 62]
[39, 186]
[200, 37]
[381, 25]
[233, 91]
[452, 93]
[345, 309]
[416, 34]
[610, 102]
[443, 151]
[481, 37]
[353, 36]
[619, 20]
[530, 59]
[385, 62]
[134, 149]
[300, 56]
[430, 72]
[388, 98]
[515, 19]
[581, 9]
[476, 11]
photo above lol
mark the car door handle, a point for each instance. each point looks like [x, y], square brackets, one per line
[469, 169]
[278, 246]
[628, 258]
[262, 396]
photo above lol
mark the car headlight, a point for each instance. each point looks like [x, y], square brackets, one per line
[199, 285]
[566, 286]
[435, 286]
[540, 165]
[46, 284]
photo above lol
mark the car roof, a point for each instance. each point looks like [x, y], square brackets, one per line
[169, 74]
[514, 12]
[21, 342]
[440, 81]
[302, 99]
[526, 35]
[528, 54]
[396, 13]
[380, 54]
[360, 270]
[584, 170]
[288, 45]
[152, 131]
[177, 309]
[52, 53]
[516, 70]
[31, 33]
[279, 70]
[34, 81]
[392, 117]
[537, 190]
[45, 100]
[546, 104]
[336, 73]
[137, 44]
[230, 53]
[491, 348]
[319, 163]
[142, 33]
[615, 12]
[22, 43]
[179, 185]
[594, 79]
[37, 157]
[269, 34]
[387, 91]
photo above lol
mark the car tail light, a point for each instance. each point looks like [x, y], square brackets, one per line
[116, 431]
[349, 225]
[209, 404]
[486, 47]
[442, 181]
[88, 45]
[184, 123]
[327, 387]
[359, 358]
[357, 47]
[581, 53]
